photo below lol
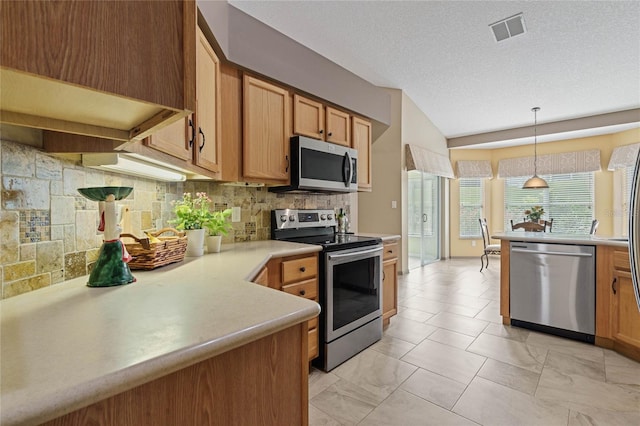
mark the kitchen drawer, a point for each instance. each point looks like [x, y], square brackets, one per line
[313, 343]
[307, 289]
[621, 260]
[390, 251]
[313, 323]
[299, 269]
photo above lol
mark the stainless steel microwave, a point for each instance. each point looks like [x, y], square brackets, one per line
[318, 166]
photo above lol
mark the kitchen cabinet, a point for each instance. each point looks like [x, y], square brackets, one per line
[115, 70]
[297, 275]
[265, 147]
[389, 281]
[361, 141]
[313, 119]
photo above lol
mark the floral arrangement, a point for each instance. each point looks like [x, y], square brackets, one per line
[217, 223]
[535, 213]
[191, 213]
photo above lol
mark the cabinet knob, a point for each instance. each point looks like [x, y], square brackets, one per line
[330, 133]
[302, 269]
[302, 292]
[321, 131]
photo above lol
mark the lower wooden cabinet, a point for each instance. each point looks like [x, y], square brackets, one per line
[297, 275]
[617, 315]
[389, 281]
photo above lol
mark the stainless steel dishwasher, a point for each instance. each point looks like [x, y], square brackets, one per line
[552, 288]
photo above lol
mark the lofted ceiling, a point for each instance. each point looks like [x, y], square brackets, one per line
[576, 58]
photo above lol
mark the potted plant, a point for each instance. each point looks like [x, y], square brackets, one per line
[192, 213]
[217, 225]
[534, 214]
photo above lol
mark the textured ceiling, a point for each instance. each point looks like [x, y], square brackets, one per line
[576, 59]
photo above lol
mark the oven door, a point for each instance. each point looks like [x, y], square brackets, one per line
[353, 286]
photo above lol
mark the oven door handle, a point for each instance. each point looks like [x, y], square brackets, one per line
[354, 253]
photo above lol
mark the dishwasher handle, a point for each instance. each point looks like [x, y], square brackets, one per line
[555, 253]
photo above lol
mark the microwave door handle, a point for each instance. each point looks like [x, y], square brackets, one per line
[347, 169]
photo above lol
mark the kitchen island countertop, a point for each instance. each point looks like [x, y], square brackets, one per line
[551, 238]
[68, 345]
[383, 237]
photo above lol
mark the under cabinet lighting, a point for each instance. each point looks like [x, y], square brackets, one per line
[120, 163]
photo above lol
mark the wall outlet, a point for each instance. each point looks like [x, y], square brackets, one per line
[473, 243]
[235, 214]
[394, 204]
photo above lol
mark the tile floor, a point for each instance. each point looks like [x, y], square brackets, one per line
[446, 359]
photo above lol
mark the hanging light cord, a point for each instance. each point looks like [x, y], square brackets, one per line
[535, 140]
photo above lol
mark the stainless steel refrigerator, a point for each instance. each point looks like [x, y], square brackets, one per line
[634, 231]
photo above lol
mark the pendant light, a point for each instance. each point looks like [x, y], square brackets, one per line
[535, 182]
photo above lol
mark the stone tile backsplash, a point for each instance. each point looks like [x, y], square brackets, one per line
[48, 231]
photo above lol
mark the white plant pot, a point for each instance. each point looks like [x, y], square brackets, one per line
[195, 242]
[213, 243]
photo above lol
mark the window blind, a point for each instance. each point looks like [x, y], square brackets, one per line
[568, 201]
[471, 196]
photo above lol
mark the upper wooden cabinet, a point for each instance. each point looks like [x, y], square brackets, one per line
[173, 139]
[265, 148]
[361, 141]
[314, 119]
[207, 147]
[118, 70]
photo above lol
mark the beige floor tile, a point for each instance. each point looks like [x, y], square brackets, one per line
[510, 376]
[413, 314]
[491, 313]
[319, 381]
[620, 369]
[320, 418]
[392, 347]
[409, 330]
[462, 310]
[570, 364]
[510, 351]
[469, 326]
[489, 403]
[451, 338]
[422, 304]
[508, 332]
[474, 290]
[389, 372]
[405, 409]
[434, 388]
[595, 417]
[346, 402]
[568, 346]
[582, 393]
[445, 360]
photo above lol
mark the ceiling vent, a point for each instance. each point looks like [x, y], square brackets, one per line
[509, 27]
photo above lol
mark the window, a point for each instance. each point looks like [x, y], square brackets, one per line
[471, 196]
[568, 201]
[627, 183]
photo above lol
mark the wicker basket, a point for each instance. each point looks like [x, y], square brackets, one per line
[148, 255]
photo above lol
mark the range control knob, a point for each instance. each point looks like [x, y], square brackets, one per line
[329, 217]
[283, 218]
[323, 217]
[292, 218]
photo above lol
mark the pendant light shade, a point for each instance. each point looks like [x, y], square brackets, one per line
[535, 182]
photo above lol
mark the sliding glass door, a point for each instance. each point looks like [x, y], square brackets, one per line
[424, 218]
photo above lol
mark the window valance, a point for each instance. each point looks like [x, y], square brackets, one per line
[474, 169]
[418, 158]
[551, 164]
[623, 156]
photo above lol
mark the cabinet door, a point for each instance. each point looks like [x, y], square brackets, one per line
[338, 127]
[362, 142]
[389, 289]
[173, 140]
[308, 117]
[207, 146]
[265, 148]
[625, 317]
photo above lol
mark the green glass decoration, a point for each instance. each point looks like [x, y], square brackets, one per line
[110, 270]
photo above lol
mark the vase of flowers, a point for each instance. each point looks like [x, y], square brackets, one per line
[217, 225]
[192, 213]
[534, 214]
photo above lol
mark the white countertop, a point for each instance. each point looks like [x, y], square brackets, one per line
[549, 237]
[68, 345]
[384, 237]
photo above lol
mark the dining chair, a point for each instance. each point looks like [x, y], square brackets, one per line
[547, 225]
[594, 226]
[486, 242]
[528, 226]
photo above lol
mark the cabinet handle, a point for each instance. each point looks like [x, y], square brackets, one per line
[321, 131]
[302, 292]
[203, 139]
[384, 276]
[389, 251]
[302, 269]
[286, 169]
[193, 133]
[613, 285]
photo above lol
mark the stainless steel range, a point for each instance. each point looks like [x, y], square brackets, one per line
[350, 282]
